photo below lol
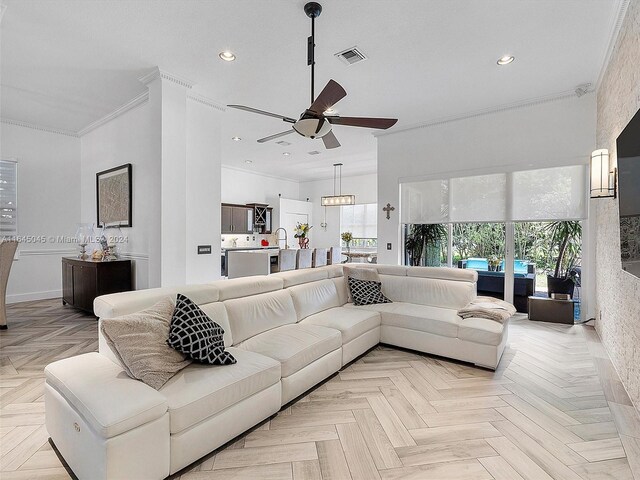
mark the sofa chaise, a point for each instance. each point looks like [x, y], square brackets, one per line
[288, 332]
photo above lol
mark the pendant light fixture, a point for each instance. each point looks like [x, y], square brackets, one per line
[338, 199]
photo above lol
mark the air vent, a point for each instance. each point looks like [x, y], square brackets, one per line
[283, 143]
[351, 55]
[314, 152]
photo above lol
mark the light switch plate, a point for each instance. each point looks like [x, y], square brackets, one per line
[204, 249]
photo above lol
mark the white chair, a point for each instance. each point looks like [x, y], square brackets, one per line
[319, 257]
[304, 258]
[7, 251]
[335, 255]
[287, 259]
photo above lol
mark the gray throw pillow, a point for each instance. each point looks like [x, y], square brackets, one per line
[139, 341]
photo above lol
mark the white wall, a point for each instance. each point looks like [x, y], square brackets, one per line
[555, 133]
[203, 192]
[364, 187]
[618, 292]
[133, 137]
[242, 187]
[48, 205]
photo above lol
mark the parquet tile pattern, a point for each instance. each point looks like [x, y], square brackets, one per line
[555, 409]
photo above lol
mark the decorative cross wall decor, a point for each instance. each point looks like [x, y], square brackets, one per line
[388, 209]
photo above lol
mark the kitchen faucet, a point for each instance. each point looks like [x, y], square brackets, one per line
[286, 243]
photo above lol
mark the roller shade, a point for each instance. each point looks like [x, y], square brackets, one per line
[550, 194]
[558, 193]
[8, 198]
[425, 202]
[361, 220]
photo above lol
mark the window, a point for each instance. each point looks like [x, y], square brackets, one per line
[362, 221]
[8, 198]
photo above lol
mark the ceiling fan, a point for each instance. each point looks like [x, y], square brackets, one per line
[313, 122]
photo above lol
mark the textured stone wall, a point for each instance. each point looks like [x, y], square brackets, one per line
[618, 292]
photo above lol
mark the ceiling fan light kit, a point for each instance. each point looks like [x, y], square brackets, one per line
[315, 122]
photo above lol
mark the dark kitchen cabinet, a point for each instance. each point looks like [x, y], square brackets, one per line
[236, 219]
[84, 280]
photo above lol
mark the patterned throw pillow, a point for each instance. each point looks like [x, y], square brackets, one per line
[366, 292]
[193, 333]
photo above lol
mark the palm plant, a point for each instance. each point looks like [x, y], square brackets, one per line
[565, 240]
[421, 237]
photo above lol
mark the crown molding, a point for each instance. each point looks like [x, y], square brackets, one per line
[58, 131]
[614, 31]
[260, 174]
[196, 97]
[131, 104]
[488, 111]
[158, 73]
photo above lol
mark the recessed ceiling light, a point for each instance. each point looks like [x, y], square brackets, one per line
[286, 154]
[236, 139]
[248, 161]
[227, 56]
[506, 60]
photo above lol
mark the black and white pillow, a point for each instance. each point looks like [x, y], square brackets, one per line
[193, 333]
[366, 292]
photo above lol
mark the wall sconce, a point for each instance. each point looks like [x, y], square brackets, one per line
[603, 177]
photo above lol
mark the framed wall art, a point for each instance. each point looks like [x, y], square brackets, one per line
[114, 190]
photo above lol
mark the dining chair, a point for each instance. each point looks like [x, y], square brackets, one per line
[287, 259]
[304, 258]
[335, 256]
[319, 258]
[7, 252]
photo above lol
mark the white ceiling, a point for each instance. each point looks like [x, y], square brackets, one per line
[67, 63]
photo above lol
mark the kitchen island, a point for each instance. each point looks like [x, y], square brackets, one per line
[245, 261]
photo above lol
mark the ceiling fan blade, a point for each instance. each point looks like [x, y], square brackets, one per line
[368, 122]
[330, 140]
[331, 94]
[262, 112]
[271, 137]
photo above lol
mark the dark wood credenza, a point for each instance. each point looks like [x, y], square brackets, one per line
[84, 280]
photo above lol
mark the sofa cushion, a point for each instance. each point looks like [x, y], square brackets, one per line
[250, 316]
[104, 395]
[481, 330]
[314, 297]
[298, 277]
[350, 321]
[123, 303]
[428, 291]
[424, 318]
[193, 333]
[201, 391]
[246, 286]
[294, 346]
[457, 274]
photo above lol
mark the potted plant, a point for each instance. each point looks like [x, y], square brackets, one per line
[302, 230]
[347, 238]
[494, 263]
[424, 240]
[565, 242]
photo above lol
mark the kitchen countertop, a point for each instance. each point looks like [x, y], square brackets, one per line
[272, 247]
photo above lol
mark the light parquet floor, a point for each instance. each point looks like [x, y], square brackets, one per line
[555, 409]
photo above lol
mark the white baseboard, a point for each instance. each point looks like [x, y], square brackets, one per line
[28, 297]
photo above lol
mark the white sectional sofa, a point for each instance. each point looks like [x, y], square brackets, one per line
[288, 332]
